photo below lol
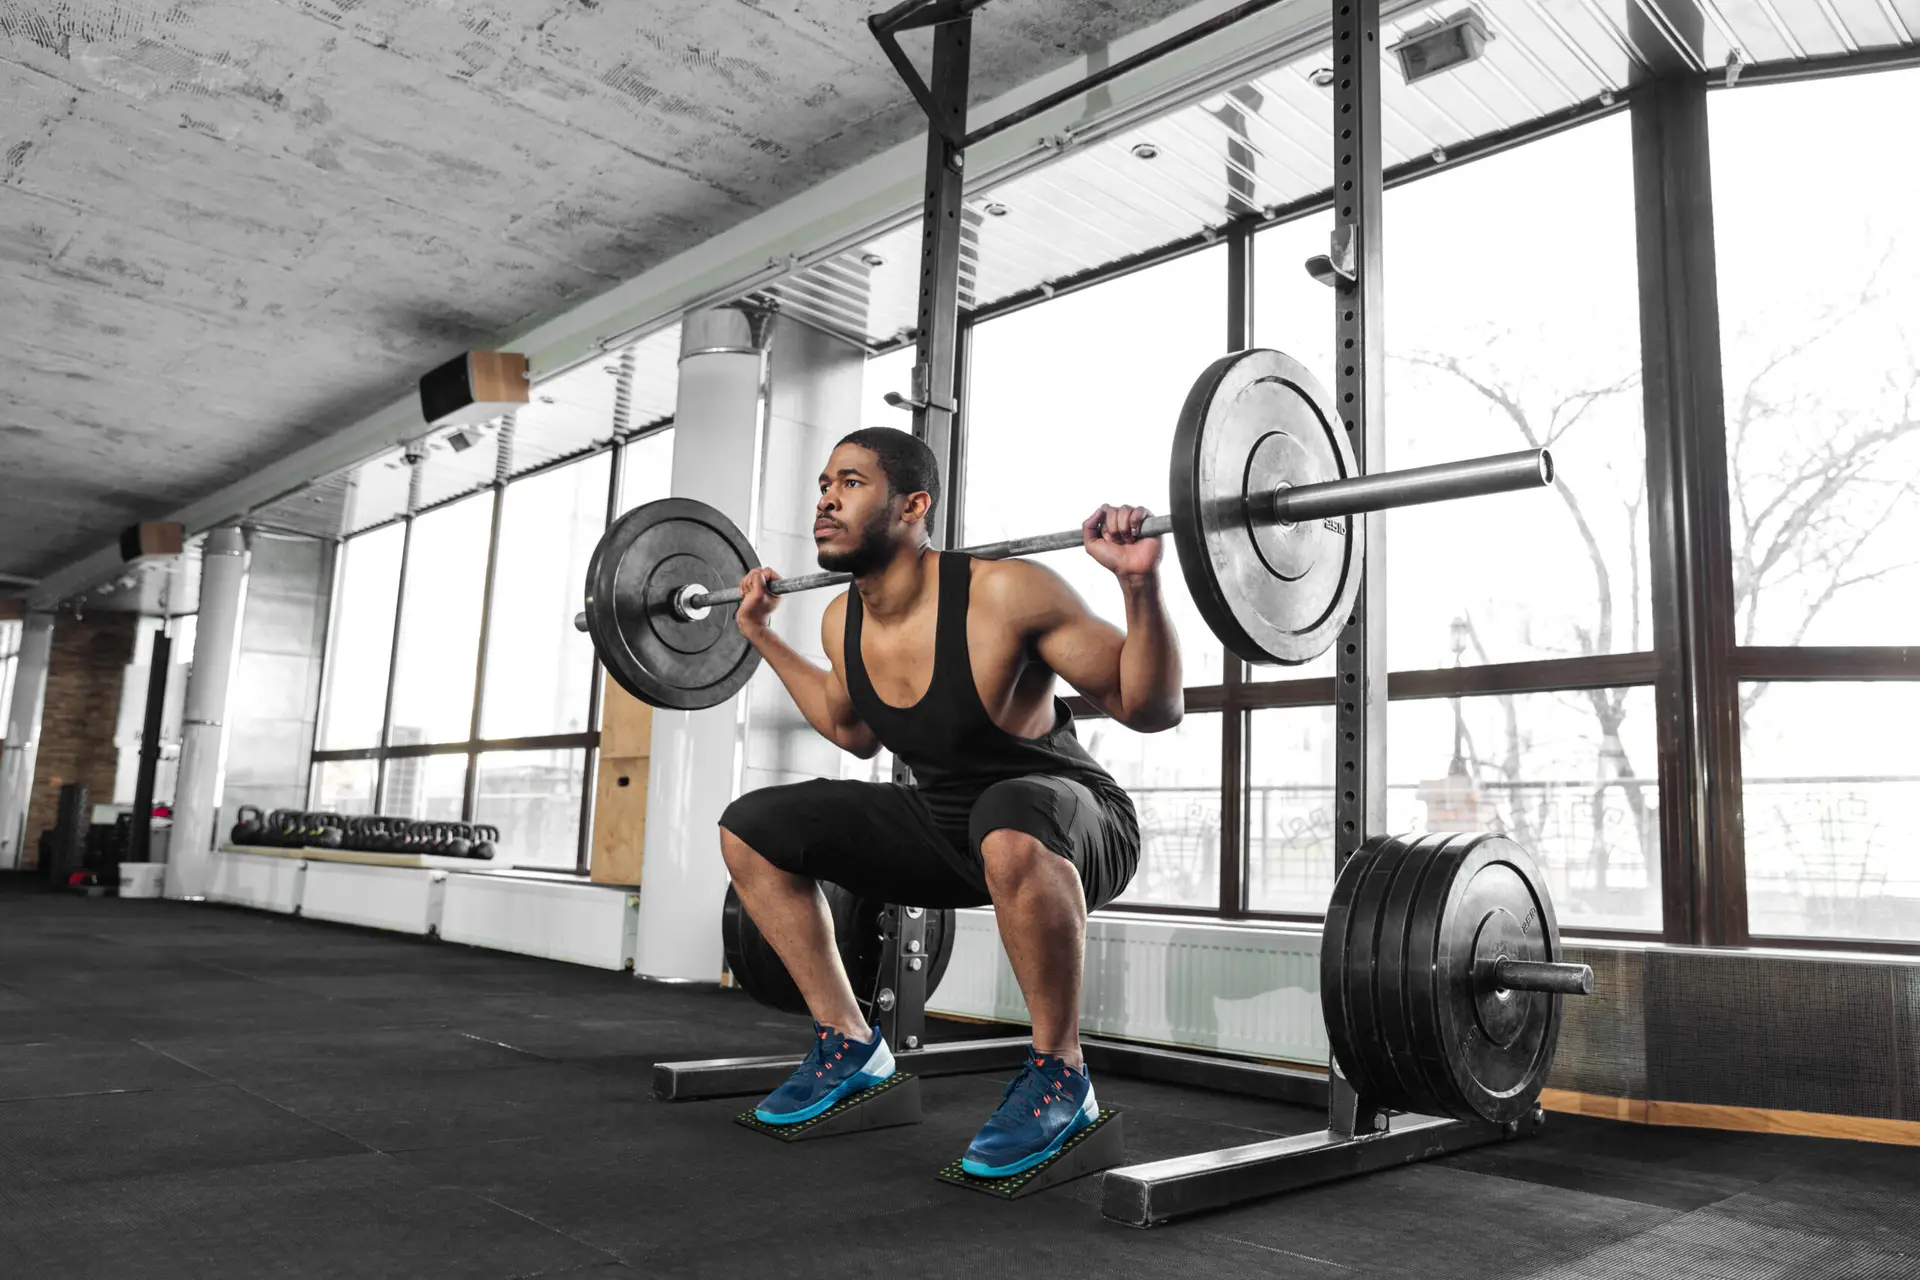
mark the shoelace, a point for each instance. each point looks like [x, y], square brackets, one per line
[1033, 1088]
[817, 1057]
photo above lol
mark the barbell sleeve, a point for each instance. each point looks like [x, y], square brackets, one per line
[1415, 486]
[1544, 975]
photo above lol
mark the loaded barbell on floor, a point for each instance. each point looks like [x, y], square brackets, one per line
[1440, 968]
[1263, 488]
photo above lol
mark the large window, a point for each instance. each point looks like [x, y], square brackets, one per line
[525, 769]
[1290, 846]
[1819, 291]
[1818, 244]
[439, 642]
[1074, 404]
[9, 666]
[1570, 776]
[1174, 779]
[360, 649]
[646, 470]
[1513, 323]
[1832, 786]
[533, 797]
[539, 668]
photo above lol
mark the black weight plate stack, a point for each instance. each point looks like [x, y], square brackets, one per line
[856, 930]
[1407, 1083]
[1344, 923]
[636, 570]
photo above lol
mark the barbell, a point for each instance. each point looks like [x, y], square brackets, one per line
[1263, 488]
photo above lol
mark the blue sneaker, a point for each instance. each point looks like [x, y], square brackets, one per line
[836, 1067]
[1044, 1106]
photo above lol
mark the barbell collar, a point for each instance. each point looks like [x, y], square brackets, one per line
[1415, 486]
[1543, 975]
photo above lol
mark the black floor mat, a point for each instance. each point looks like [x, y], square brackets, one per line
[198, 1091]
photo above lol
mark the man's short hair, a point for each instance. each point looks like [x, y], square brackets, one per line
[905, 460]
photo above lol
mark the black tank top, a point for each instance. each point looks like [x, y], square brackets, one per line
[953, 746]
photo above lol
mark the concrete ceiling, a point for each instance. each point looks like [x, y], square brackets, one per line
[230, 227]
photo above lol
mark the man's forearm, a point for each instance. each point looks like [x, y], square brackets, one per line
[806, 683]
[1150, 678]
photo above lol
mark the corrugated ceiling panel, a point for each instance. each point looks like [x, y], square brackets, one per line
[447, 474]
[577, 410]
[319, 510]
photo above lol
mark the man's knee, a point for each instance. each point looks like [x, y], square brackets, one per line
[1013, 858]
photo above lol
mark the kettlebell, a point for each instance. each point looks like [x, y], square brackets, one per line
[459, 840]
[485, 836]
[247, 829]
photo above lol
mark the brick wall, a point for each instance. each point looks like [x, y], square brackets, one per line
[84, 675]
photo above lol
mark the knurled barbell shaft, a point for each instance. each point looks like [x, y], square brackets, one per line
[1415, 486]
[1543, 975]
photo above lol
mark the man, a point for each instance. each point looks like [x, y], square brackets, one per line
[950, 662]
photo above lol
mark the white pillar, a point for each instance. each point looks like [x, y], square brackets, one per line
[694, 771]
[203, 737]
[23, 737]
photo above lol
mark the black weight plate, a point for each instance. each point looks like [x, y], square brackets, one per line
[1256, 422]
[856, 931]
[1409, 1086]
[1346, 958]
[638, 566]
[1424, 925]
[1497, 902]
[1333, 951]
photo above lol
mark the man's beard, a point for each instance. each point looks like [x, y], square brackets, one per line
[872, 551]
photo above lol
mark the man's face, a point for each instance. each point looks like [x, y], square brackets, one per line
[853, 521]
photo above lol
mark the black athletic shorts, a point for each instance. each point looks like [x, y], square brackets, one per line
[880, 839]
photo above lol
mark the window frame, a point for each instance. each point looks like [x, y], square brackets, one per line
[473, 746]
[1696, 867]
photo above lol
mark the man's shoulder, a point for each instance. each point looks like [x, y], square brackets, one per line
[1019, 592]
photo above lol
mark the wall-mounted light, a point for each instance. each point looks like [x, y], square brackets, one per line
[873, 259]
[994, 209]
[1441, 46]
[1144, 151]
[1322, 77]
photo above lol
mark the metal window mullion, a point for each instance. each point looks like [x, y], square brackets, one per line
[1702, 855]
[467, 790]
[1234, 843]
[393, 666]
[327, 638]
[596, 682]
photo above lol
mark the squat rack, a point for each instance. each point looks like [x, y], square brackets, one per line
[1359, 1137]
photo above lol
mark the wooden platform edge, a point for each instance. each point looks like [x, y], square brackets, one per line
[1701, 1115]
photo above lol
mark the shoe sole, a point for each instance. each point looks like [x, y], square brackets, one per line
[845, 1089]
[975, 1169]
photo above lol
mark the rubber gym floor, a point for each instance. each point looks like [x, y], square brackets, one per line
[198, 1091]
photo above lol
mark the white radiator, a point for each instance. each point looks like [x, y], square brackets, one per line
[1238, 989]
[263, 883]
[580, 923]
[404, 899]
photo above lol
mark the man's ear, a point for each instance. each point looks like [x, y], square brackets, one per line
[914, 508]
